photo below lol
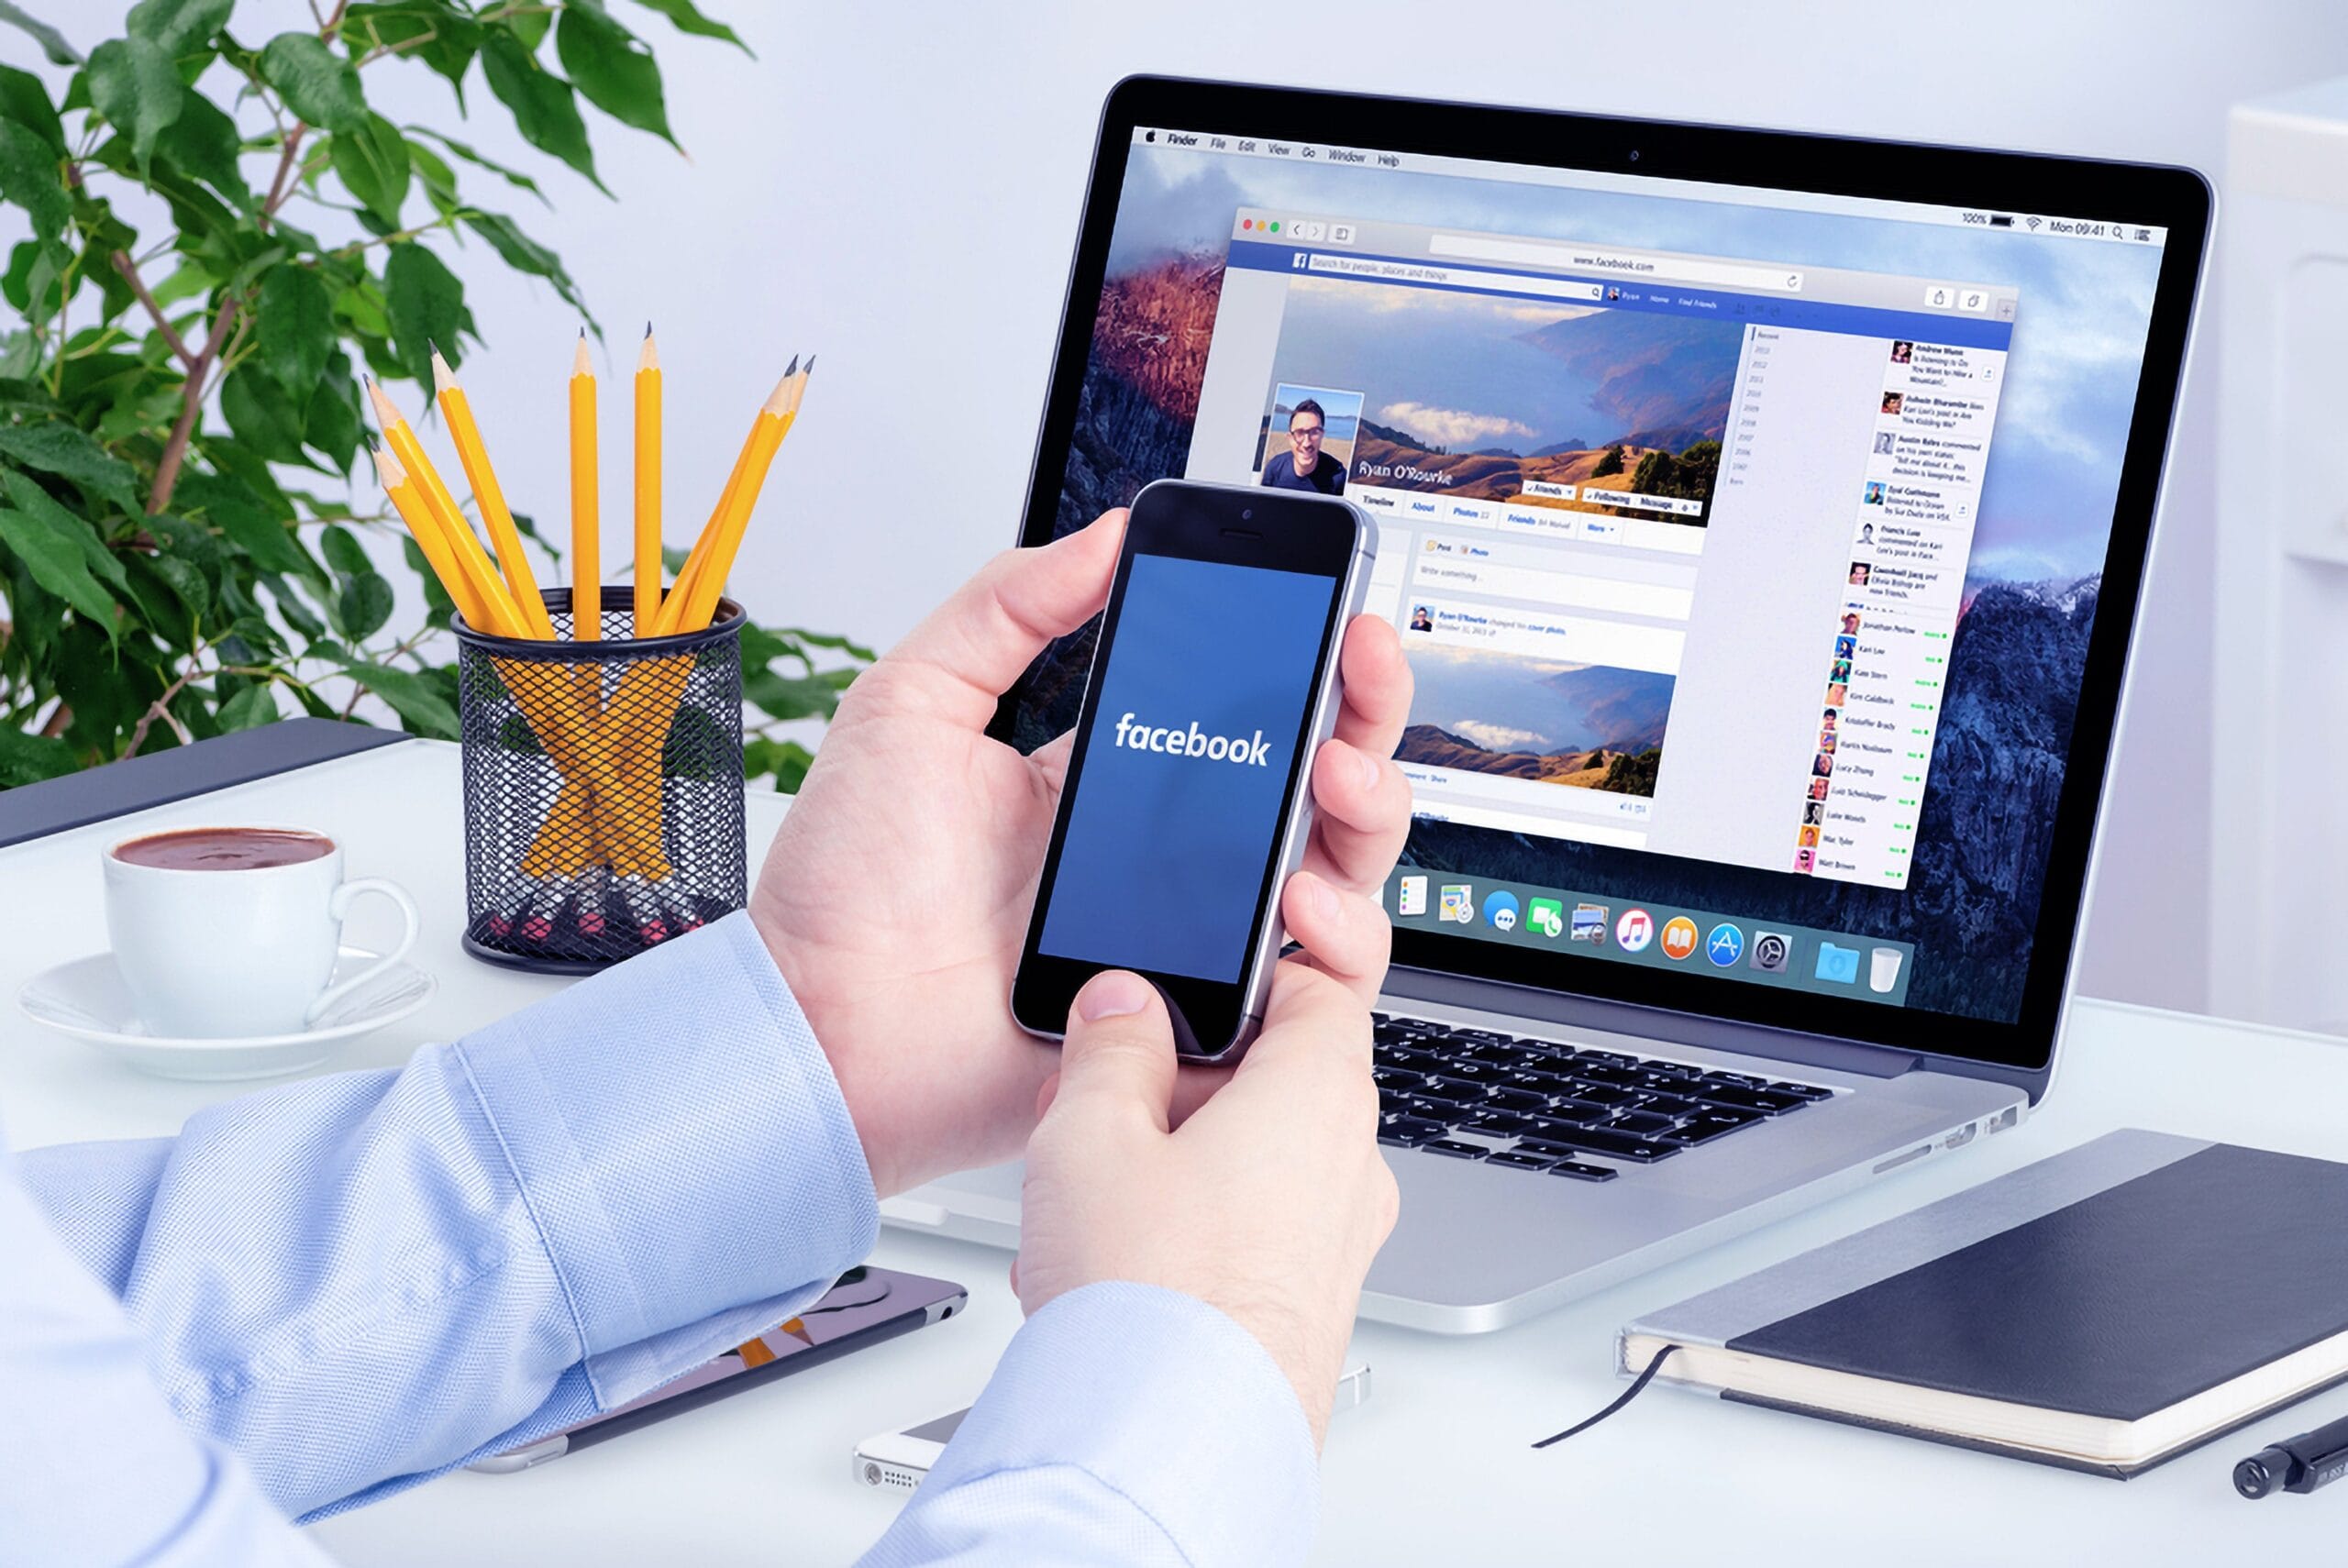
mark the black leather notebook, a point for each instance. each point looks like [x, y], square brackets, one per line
[2104, 1309]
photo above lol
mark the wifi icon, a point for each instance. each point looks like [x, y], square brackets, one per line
[2031, 221]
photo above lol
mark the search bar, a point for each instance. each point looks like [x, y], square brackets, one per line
[1451, 277]
[1619, 263]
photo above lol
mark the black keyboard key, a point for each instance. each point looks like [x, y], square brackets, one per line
[1668, 1105]
[1407, 1058]
[1734, 1080]
[1444, 1110]
[1605, 1058]
[1705, 1126]
[1456, 1148]
[1518, 1159]
[1541, 1082]
[1763, 1101]
[1642, 1124]
[1390, 1104]
[1512, 1098]
[1807, 1091]
[1417, 1127]
[1601, 1094]
[1556, 1148]
[1580, 1172]
[1622, 1145]
[1564, 1121]
[1473, 1071]
[1622, 1078]
[1503, 1123]
[1393, 1077]
[1480, 1036]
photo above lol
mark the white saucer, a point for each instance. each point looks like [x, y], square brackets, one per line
[85, 999]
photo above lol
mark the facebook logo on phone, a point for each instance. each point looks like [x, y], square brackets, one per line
[1203, 695]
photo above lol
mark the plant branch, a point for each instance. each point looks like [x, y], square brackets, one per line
[167, 466]
[129, 270]
[161, 707]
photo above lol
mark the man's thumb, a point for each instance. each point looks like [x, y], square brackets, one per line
[1119, 1050]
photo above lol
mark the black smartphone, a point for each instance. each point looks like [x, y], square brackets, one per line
[1214, 680]
[866, 1307]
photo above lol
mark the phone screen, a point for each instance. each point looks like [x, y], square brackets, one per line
[1204, 694]
[1189, 754]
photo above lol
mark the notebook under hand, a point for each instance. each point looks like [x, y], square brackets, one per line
[2104, 1309]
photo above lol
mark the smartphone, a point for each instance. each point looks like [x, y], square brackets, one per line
[867, 1306]
[898, 1461]
[1187, 802]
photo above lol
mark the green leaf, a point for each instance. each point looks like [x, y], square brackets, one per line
[343, 551]
[317, 83]
[806, 697]
[24, 100]
[249, 709]
[530, 26]
[134, 85]
[29, 759]
[613, 68]
[178, 27]
[439, 181]
[295, 331]
[331, 423]
[29, 179]
[58, 448]
[545, 111]
[55, 559]
[513, 177]
[426, 303]
[365, 605]
[28, 497]
[439, 606]
[423, 710]
[265, 420]
[246, 521]
[52, 42]
[449, 38]
[787, 761]
[372, 162]
[525, 255]
[207, 144]
[688, 20]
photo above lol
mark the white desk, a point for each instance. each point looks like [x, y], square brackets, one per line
[1433, 1469]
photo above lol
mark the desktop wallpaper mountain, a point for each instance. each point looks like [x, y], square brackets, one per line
[1972, 904]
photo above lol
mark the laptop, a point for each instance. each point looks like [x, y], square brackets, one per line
[1766, 517]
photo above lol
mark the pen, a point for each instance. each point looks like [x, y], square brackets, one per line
[2295, 1465]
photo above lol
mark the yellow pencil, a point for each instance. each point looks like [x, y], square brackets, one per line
[586, 520]
[465, 549]
[439, 551]
[773, 423]
[707, 538]
[648, 485]
[502, 535]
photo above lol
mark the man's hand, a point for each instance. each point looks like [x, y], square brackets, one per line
[896, 896]
[1268, 1202]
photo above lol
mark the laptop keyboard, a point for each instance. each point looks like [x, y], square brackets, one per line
[1551, 1108]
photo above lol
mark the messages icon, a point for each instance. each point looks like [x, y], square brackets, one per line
[1838, 964]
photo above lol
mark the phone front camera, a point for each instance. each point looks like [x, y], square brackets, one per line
[1635, 155]
[1246, 512]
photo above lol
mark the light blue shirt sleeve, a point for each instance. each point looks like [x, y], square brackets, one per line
[323, 1293]
[359, 1281]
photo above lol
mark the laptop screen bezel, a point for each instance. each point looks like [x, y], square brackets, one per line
[2175, 198]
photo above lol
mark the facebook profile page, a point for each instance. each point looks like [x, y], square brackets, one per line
[1204, 692]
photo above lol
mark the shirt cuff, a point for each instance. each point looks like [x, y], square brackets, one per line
[1163, 1399]
[679, 1137]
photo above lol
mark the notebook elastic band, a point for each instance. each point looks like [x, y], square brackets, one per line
[1641, 1381]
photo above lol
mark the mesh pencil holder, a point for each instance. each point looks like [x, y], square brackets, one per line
[603, 788]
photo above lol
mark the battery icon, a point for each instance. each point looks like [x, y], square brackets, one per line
[2001, 220]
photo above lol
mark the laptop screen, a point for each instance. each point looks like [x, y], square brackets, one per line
[1746, 542]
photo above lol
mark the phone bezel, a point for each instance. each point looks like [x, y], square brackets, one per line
[1272, 529]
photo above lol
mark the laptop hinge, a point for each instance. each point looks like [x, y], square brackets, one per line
[1661, 1025]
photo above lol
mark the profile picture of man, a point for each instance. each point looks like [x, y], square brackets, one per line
[1893, 402]
[1828, 720]
[1302, 466]
[1813, 812]
[1804, 859]
[1421, 618]
[1883, 440]
[1902, 352]
[1866, 532]
[1875, 493]
[1858, 570]
[1818, 789]
[1835, 693]
[1851, 624]
[1809, 839]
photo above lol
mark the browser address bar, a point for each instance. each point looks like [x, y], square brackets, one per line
[1450, 277]
[1619, 263]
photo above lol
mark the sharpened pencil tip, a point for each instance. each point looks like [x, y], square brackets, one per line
[793, 369]
[579, 364]
[444, 379]
[647, 329]
[811, 364]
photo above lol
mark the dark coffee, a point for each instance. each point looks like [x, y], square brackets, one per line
[225, 849]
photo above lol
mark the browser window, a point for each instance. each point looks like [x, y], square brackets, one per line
[1746, 541]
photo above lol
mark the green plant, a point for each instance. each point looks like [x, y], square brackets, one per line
[165, 577]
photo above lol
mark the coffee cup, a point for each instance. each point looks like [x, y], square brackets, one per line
[233, 932]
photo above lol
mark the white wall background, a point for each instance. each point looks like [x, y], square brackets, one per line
[897, 186]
